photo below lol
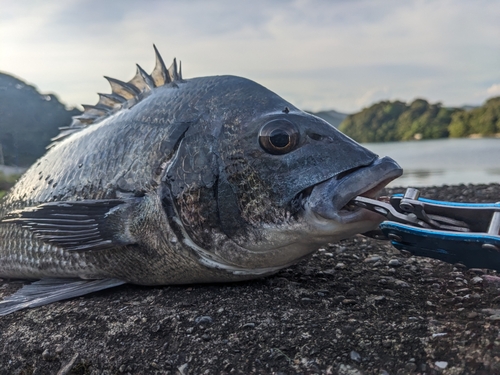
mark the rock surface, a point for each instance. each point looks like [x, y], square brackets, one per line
[381, 312]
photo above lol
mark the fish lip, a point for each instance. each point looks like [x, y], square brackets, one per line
[328, 198]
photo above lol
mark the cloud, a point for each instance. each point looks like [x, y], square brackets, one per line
[494, 89]
[318, 54]
[371, 96]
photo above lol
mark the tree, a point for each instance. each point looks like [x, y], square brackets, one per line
[484, 120]
[374, 124]
[28, 120]
[398, 121]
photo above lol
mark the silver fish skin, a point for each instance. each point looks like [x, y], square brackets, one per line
[175, 181]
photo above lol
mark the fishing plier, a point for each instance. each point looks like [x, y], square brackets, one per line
[466, 233]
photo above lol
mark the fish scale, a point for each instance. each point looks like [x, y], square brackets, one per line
[175, 181]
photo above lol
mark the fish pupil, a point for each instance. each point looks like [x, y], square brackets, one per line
[279, 138]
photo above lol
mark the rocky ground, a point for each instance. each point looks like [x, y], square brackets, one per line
[357, 307]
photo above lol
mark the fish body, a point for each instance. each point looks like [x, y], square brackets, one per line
[174, 181]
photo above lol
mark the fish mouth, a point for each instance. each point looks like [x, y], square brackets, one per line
[330, 199]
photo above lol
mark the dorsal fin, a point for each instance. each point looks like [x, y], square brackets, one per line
[124, 95]
[96, 110]
[110, 100]
[172, 71]
[160, 73]
[127, 90]
[142, 80]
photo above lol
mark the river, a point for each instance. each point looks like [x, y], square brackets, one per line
[444, 161]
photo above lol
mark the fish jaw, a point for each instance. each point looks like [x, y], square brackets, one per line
[323, 217]
[328, 200]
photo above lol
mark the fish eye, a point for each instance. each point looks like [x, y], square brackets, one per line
[279, 137]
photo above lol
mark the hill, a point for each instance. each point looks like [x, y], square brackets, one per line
[388, 121]
[484, 120]
[333, 117]
[395, 121]
[28, 120]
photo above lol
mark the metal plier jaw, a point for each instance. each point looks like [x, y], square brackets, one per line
[467, 233]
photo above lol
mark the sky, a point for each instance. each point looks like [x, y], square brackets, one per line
[317, 54]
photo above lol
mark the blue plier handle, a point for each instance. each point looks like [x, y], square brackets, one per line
[467, 233]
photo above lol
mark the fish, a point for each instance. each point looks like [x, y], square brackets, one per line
[169, 181]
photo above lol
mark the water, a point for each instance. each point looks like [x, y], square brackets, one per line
[432, 163]
[444, 161]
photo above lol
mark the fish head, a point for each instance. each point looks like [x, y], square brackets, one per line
[283, 181]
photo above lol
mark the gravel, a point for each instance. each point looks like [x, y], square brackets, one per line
[356, 307]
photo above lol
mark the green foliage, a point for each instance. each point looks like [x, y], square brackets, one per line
[377, 123]
[423, 120]
[28, 120]
[397, 121]
[6, 182]
[484, 120]
[459, 125]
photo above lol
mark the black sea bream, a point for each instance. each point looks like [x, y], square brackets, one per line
[174, 181]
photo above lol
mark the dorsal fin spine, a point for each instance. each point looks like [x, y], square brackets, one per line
[121, 88]
[87, 119]
[111, 99]
[172, 71]
[160, 73]
[146, 77]
[124, 94]
[142, 81]
[98, 109]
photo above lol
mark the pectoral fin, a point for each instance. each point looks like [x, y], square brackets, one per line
[47, 291]
[78, 225]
